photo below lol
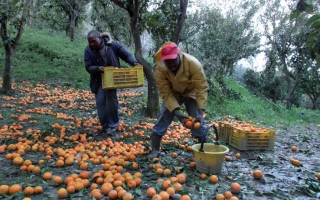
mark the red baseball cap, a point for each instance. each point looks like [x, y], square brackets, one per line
[169, 51]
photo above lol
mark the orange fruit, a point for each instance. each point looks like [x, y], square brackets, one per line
[135, 165]
[71, 189]
[96, 193]
[227, 194]
[318, 176]
[174, 155]
[234, 198]
[227, 158]
[177, 186]
[257, 174]
[36, 170]
[47, 176]
[181, 178]
[167, 172]
[185, 197]
[106, 188]
[113, 194]
[62, 193]
[84, 174]
[164, 195]
[121, 193]
[127, 196]
[131, 184]
[60, 163]
[37, 190]
[57, 180]
[296, 162]
[156, 197]
[192, 165]
[197, 125]
[166, 184]
[4, 189]
[235, 188]
[188, 124]
[159, 171]
[151, 192]
[171, 191]
[294, 148]
[213, 179]
[238, 155]
[15, 188]
[28, 190]
[203, 176]
[18, 160]
[220, 197]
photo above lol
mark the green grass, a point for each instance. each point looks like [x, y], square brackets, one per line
[50, 58]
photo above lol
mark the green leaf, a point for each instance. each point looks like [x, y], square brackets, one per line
[316, 25]
[312, 19]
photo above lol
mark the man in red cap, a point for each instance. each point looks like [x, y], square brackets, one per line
[181, 80]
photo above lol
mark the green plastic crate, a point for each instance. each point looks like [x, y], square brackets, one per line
[115, 78]
[246, 140]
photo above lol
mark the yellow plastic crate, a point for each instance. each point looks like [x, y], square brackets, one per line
[246, 140]
[115, 78]
[224, 131]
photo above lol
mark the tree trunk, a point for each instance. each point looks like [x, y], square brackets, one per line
[31, 14]
[8, 69]
[182, 17]
[153, 94]
[72, 25]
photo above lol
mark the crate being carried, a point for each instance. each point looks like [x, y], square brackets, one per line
[115, 78]
[252, 138]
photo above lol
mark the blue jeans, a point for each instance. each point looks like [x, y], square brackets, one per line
[107, 107]
[165, 118]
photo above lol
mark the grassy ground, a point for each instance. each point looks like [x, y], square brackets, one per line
[54, 114]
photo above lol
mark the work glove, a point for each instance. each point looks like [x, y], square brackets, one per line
[100, 69]
[136, 64]
[199, 117]
[180, 116]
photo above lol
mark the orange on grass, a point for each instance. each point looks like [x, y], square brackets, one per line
[28, 190]
[294, 148]
[127, 196]
[159, 171]
[177, 186]
[113, 194]
[171, 191]
[227, 158]
[27, 162]
[84, 174]
[57, 180]
[174, 155]
[181, 178]
[62, 193]
[71, 189]
[213, 179]
[78, 185]
[257, 174]
[60, 163]
[235, 188]
[15, 188]
[238, 155]
[185, 197]
[156, 197]
[197, 125]
[18, 160]
[137, 174]
[47, 176]
[165, 184]
[318, 176]
[96, 193]
[131, 184]
[4, 189]
[106, 188]
[117, 183]
[234, 198]
[227, 194]
[192, 165]
[166, 172]
[38, 189]
[220, 197]
[135, 165]
[151, 192]
[164, 195]
[203, 176]
[296, 162]
[121, 193]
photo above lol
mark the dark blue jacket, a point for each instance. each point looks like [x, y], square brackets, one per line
[93, 60]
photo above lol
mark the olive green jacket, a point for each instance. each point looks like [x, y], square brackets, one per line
[190, 81]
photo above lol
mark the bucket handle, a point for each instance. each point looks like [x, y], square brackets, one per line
[203, 139]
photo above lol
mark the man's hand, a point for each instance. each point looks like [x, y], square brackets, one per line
[100, 69]
[199, 117]
[180, 116]
[136, 64]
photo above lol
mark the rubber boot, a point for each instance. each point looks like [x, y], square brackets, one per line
[155, 144]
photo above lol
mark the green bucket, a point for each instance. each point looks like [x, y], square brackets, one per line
[211, 160]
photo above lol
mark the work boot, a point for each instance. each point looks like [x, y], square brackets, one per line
[155, 144]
